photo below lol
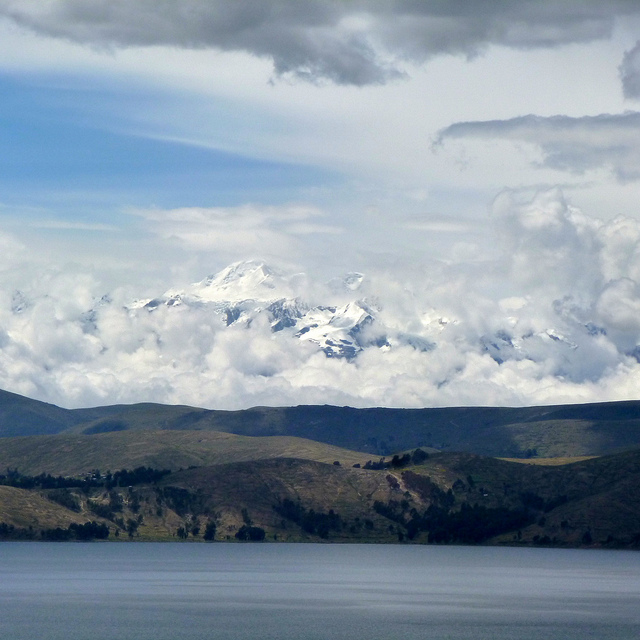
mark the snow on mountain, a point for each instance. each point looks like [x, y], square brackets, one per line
[245, 291]
[19, 302]
[239, 282]
[338, 331]
[348, 283]
[502, 347]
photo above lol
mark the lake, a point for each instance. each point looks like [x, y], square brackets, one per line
[173, 591]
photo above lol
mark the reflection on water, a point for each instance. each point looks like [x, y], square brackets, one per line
[56, 591]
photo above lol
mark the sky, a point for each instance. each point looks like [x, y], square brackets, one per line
[478, 161]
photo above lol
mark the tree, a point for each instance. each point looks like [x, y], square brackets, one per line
[251, 534]
[132, 527]
[182, 533]
[419, 456]
[210, 531]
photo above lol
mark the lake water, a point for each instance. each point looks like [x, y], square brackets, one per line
[140, 591]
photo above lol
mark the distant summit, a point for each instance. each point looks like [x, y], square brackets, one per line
[246, 290]
[240, 281]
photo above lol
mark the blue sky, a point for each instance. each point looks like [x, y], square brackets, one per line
[478, 161]
[70, 146]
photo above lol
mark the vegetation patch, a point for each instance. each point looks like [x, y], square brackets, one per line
[309, 520]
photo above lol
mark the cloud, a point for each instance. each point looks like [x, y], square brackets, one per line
[630, 72]
[73, 226]
[436, 224]
[552, 318]
[549, 245]
[618, 309]
[10, 249]
[238, 232]
[576, 145]
[358, 42]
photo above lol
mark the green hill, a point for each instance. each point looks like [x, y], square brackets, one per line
[550, 431]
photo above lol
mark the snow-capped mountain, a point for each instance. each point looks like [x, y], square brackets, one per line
[349, 319]
[245, 290]
[254, 328]
[236, 283]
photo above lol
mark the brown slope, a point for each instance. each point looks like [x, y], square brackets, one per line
[598, 496]
[23, 509]
[224, 491]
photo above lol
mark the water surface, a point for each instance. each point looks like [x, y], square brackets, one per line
[69, 591]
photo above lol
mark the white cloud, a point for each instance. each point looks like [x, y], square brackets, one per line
[630, 72]
[233, 233]
[549, 245]
[553, 318]
[10, 249]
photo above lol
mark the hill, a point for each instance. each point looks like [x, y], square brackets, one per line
[75, 455]
[550, 431]
[314, 473]
[446, 498]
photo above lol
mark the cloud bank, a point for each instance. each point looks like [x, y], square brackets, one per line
[358, 42]
[607, 141]
[554, 318]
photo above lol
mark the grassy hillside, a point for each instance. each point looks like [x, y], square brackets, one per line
[23, 416]
[22, 508]
[555, 431]
[271, 472]
[581, 430]
[78, 454]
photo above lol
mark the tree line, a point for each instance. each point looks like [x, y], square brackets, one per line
[83, 532]
[122, 478]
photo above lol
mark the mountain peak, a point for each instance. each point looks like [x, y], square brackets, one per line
[244, 280]
[253, 269]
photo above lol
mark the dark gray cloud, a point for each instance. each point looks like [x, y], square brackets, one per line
[569, 144]
[344, 41]
[630, 72]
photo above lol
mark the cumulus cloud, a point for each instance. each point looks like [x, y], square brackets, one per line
[549, 245]
[609, 141]
[553, 318]
[10, 249]
[357, 42]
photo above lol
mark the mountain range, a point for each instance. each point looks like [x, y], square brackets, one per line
[250, 335]
[246, 291]
[350, 321]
